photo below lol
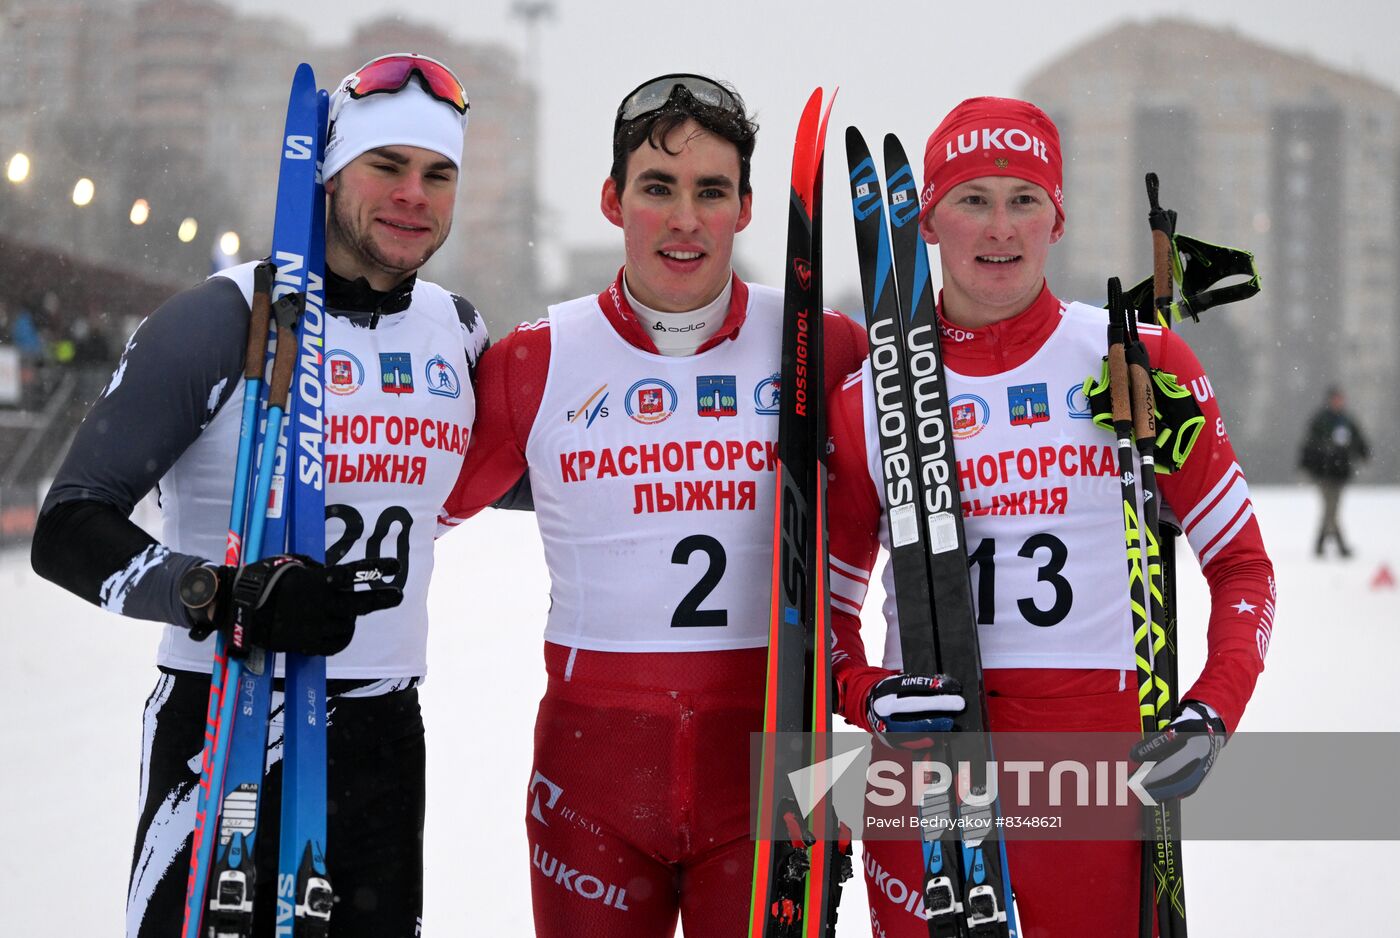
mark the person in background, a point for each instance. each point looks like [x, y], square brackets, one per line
[1332, 447]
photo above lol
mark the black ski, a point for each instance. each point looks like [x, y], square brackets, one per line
[966, 889]
[797, 876]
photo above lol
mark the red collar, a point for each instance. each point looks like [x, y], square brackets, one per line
[1002, 345]
[619, 312]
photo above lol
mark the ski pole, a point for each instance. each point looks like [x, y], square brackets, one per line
[1121, 397]
[206, 821]
[1170, 874]
[236, 648]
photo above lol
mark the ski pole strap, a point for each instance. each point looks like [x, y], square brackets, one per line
[1200, 268]
[1158, 218]
[1203, 265]
[1177, 415]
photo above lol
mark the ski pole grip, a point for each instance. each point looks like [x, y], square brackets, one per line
[1161, 268]
[284, 361]
[1162, 225]
[257, 320]
[1117, 360]
[1143, 402]
[1118, 386]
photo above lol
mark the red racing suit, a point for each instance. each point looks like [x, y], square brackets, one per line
[646, 471]
[1041, 506]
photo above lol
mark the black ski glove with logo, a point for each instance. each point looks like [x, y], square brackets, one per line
[288, 602]
[920, 704]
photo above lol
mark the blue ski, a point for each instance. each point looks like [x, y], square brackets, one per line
[222, 866]
[304, 894]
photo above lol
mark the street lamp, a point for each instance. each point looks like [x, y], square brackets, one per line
[83, 191]
[532, 12]
[17, 170]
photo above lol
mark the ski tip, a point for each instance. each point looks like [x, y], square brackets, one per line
[894, 151]
[303, 90]
[826, 113]
[807, 143]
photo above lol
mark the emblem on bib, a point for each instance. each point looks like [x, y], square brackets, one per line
[970, 415]
[1028, 403]
[396, 372]
[651, 400]
[344, 373]
[1077, 403]
[716, 396]
[767, 395]
[442, 378]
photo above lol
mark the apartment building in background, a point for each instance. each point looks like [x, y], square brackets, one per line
[1259, 148]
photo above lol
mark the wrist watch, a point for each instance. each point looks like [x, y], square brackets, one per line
[199, 586]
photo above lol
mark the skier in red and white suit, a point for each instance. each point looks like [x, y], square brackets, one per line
[1043, 514]
[646, 417]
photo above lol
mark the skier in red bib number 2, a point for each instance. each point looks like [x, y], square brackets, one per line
[1044, 525]
[646, 418]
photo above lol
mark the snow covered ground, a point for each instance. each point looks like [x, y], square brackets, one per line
[73, 681]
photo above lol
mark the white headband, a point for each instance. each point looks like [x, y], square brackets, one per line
[410, 117]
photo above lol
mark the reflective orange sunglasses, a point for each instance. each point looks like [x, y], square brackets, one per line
[390, 73]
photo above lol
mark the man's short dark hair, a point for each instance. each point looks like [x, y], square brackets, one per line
[654, 128]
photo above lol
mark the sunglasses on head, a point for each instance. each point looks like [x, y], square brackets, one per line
[390, 73]
[653, 95]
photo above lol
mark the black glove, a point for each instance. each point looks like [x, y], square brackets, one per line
[1184, 751]
[292, 603]
[914, 703]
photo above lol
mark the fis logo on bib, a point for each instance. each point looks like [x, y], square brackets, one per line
[1029, 404]
[396, 372]
[344, 373]
[592, 408]
[716, 396]
[651, 401]
[767, 395]
[442, 378]
[970, 415]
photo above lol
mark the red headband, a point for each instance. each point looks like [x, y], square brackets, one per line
[993, 137]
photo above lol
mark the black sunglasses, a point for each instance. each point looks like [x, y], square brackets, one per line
[655, 94]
